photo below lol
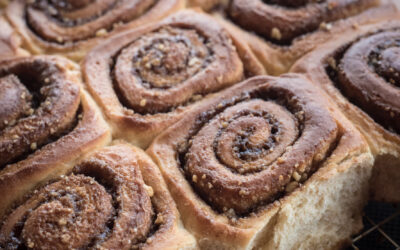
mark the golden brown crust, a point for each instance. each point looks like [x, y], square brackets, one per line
[210, 158]
[114, 198]
[277, 55]
[171, 234]
[55, 151]
[3, 3]
[27, 124]
[146, 79]
[280, 18]
[206, 5]
[74, 29]
[332, 67]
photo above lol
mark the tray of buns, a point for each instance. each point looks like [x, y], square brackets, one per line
[200, 124]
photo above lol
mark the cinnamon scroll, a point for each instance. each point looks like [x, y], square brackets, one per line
[281, 31]
[360, 70]
[114, 199]
[245, 164]
[10, 42]
[47, 121]
[146, 79]
[71, 27]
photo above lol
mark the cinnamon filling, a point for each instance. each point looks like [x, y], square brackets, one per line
[97, 206]
[68, 21]
[42, 107]
[253, 149]
[367, 72]
[159, 62]
[292, 3]
[283, 21]
[162, 70]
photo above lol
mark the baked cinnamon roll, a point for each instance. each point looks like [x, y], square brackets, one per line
[254, 166]
[113, 199]
[71, 27]
[360, 71]
[281, 31]
[146, 79]
[10, 42]
[47, 121]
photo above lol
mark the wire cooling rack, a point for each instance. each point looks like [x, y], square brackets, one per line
[381, 228]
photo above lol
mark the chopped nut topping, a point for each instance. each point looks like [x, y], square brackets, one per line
[296, 176]
[197, 97]
[194, 178]
[65, 238]
[280, 160]
[231, 212]
[143, 102]
[33, 146]
[161, 46]
[149, 190]
[325, 26]
[160, 219]
[291, 186]
[332, 62]
[101, 32]
[276, 33]
[62, 222]
[194, 61]
[30, 243]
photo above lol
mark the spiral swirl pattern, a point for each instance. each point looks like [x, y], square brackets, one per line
[161, 61]
[254, 143]
[285, 20]
[67, 21]
[368, 74]
[104, 203]
[39, 104]
[157, 72]
[72, 28]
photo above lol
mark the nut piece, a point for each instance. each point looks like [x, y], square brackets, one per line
[276, 33]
